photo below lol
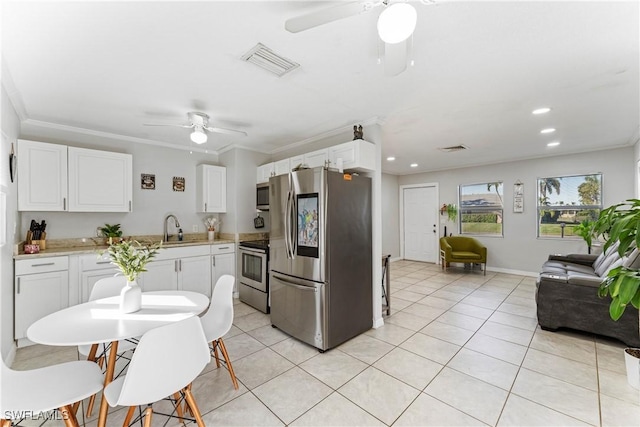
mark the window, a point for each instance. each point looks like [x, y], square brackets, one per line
[564, 202]
[481, 208]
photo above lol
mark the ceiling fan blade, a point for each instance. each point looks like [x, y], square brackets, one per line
[168, 124]
[314, 19]
[226, 131]
[395, 58]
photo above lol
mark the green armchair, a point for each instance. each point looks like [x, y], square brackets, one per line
[462, 249]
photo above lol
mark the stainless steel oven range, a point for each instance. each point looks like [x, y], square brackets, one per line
[253, 274]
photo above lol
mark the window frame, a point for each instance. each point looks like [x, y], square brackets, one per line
[481, 210]
[540, 207]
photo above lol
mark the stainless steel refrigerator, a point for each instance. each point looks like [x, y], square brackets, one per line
[320, 255]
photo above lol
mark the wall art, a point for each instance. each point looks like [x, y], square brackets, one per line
[147, 181]
[178, 183]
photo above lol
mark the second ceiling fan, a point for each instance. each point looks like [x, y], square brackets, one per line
[396, 24]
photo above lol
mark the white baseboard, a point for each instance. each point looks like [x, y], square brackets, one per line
[395, 259]
[378, 323]
[516, 272]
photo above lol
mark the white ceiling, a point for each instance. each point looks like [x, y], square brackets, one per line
[480, 69]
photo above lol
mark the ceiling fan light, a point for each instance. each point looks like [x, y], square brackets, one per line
[397, 22]
[198, 136]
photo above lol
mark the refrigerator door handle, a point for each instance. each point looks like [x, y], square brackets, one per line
[294, 222]
[302, 288]
[287, 224]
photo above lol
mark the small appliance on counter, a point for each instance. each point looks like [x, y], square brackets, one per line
[253, 272]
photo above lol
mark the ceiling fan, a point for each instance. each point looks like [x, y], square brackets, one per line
[199, 123]
[396, 24]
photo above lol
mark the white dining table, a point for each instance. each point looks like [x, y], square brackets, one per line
[100, 321]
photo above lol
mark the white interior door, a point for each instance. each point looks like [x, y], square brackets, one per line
[420, 208]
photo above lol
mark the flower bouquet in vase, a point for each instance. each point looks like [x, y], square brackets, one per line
[131, 257]
[211, 223]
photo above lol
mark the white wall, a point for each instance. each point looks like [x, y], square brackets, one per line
[390, 219]
[637, 168]
[520, 249]
[10, 129]
[149, 206]
[241, 190]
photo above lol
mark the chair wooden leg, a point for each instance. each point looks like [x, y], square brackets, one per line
[193, 406]
[215, 352]
[127, 419]
[147, 416]
[108, 377]
[68, 416]
[223, 349]
[178, 406]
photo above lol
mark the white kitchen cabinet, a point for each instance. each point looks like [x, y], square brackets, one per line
[211, 188]
[185, 268]
[264, 173]
[281, 167]
[42, 176]
[99, 181]
[316, 158]
[295, 161]
[223, 261]
[41, 287]
[93, 268]
[355, 155]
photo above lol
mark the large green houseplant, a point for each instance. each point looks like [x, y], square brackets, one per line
[621, 223]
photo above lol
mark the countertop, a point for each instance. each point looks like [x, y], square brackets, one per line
[93, 245]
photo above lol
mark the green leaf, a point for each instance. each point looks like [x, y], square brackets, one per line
[628, 288]
[616, 309]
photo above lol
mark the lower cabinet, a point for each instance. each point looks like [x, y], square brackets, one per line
[92, 269]
[223, 261]
[185, 268]
[41, 287]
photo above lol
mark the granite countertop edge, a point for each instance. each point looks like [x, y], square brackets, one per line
[92, 249]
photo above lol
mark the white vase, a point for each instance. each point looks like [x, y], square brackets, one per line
[130, 298]
[211, 235]
[633, 369]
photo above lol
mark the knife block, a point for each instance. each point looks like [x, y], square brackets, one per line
[42, 243]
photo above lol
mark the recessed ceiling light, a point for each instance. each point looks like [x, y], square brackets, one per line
[548, 130]
[414, 165]
[541, 110]
[390, 159]
[553, 144]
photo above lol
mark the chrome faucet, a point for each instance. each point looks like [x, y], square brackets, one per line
[166, 222]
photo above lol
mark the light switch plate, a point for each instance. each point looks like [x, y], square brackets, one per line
[194, 228]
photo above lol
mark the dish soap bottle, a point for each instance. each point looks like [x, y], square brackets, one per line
[180, 235]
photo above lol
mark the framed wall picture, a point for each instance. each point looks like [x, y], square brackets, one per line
[518, 197]
[147, 181]
[178, 183]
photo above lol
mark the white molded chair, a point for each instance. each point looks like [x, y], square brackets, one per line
[217, 321]
[45, 389]
[105, 288]
[165, 363]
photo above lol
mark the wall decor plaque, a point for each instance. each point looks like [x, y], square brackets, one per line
[178, 183]
[147, 181]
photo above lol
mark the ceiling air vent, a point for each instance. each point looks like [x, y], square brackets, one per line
[453, 148]
[264, 57]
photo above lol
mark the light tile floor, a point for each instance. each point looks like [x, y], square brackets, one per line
[460, 348]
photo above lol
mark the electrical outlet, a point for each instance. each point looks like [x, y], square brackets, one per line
[194, 228]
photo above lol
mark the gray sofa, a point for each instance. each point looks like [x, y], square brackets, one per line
[567, 295]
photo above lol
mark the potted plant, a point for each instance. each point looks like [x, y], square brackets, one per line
[621, 223]
[112, 233]
[586, 230]
[131, 257]
[451, 210]
[211, 223]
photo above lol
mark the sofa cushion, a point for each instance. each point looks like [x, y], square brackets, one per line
[465, 255]
[610, 250]
[567, 266]
[605, 266]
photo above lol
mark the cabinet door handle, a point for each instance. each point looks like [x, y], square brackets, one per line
[175, 265]
[103, 262]
[179, 265]
[43, 264]
[214, 261]
[129, 205]
[205, 207]
[64, 203]
[226, 247]
[18, 290]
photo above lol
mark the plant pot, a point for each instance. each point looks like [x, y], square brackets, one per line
[632, 362]
[130, 298]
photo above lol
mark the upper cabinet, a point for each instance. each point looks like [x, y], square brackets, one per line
[355, 155]
[264, 173]
[53, 177]
[211, 188]
[42, 176]
[358, 155]
[316, 158]
[99, 181]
